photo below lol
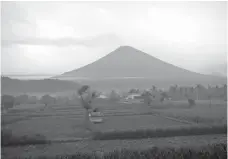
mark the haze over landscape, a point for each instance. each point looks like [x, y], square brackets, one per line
[113, 79]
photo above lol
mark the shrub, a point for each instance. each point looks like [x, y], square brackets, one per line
[191, 102]
[21, 99]
[150, 133]
[9, 140]
[7, 101]
[32, 100]
[47, 99]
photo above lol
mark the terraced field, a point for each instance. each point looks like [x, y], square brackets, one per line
[67, 121]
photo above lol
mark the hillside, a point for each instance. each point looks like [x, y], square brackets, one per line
[134, 65]
[12, 86]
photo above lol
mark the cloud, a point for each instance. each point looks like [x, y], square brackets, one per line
[187, 34]
[95, 41]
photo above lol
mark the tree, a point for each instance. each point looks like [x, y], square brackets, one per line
[47, 99]
[114, 96]
[86, 96]
[197, 91]
[62, 100]
[8, 101]
[133, 90]
[147, 97]
[191, 102]
[86, 100]
[209, 94]
[32, 100]
[154, 88]
[21, 99]
[163, 96]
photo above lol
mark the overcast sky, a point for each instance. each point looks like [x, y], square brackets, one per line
[55, 37]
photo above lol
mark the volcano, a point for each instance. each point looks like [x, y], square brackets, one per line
[126, 64]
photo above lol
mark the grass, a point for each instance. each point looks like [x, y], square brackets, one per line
[167, 132]
[216, 151]
[200, 113]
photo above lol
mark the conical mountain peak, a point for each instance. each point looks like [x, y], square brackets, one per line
[126, 61]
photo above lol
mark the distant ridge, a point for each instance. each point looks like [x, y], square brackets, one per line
[14, 86]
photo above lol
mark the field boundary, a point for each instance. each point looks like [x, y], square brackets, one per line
[175, 119]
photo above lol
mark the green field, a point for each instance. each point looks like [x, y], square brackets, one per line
[202, 112]
[67, 121]
[59, 122]
[56, 122]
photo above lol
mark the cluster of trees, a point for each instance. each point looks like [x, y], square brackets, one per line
[9, 101]
[114, 95]
[199, 92]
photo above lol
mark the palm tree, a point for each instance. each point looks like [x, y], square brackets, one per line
[147, 99]
[86, 103]
[197, 91]
[154, 88]
[209, 94]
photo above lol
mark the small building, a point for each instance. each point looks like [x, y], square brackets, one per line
[135, 98]
[102, 96]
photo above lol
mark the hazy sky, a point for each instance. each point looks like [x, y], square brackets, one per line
[55, 37]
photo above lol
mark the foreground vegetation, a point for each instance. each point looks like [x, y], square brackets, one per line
[8, 139]
[216, 151]
[167, 132]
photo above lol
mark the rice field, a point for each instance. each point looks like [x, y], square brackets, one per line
[67, 121]
[202, 112]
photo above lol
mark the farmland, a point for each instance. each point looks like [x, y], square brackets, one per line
[59, 122]
[67, 121]
[201, 113]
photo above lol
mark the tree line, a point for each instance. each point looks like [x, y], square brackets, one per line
[199, 92]
[9, 101]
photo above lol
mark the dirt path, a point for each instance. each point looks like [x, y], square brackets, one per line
[107, 146]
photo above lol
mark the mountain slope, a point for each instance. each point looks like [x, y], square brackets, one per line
[129, 62]
[134, 64]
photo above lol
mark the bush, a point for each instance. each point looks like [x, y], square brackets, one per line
[7, 101]
[191, 102]
[21, 99]
[32, 100]
[150, 133]
[9, 140]
[47, 99]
